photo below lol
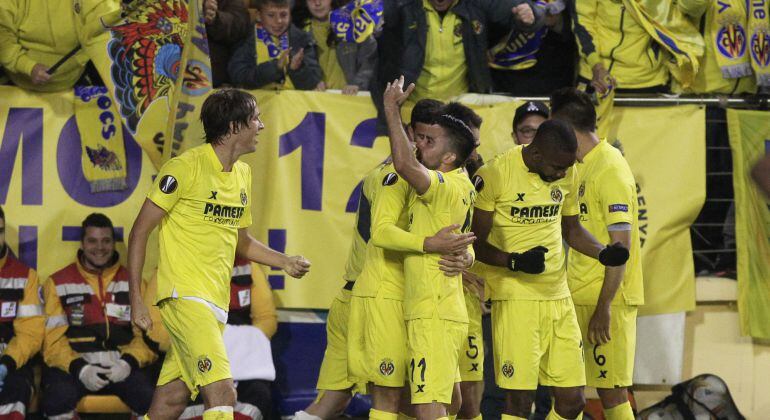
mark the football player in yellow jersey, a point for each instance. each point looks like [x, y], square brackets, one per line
[434, 307]
[377, 332]
[526, 203]
[606, 298]
[471, 363]
[201, 202]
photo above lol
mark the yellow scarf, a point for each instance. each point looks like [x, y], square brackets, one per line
[268, 48]
[101, 139]
[671, 29]
[727, 32]
[759, 40]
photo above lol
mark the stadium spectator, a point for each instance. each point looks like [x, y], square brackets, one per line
[535, 64]
[35, 35]
[21, 329]
[227, 22]
[527, 119]
[276, 54]
[615, 50]
[441, 45]
[347, 65]
[251, 303]
[90, 346]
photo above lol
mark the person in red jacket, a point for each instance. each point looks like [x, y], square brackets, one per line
[21, 330]
[90, 345]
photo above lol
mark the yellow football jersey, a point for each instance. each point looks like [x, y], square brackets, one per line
[607, 195]
[205, 208]
[527, 213]
[429, 293]
[383, 271]
[362, 230]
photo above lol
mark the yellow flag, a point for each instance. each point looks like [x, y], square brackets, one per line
[184, 128]
[666, 208]
[138, 52]
[749, 141]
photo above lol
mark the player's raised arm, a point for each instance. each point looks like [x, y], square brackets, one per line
[250, 248]
[404, 160]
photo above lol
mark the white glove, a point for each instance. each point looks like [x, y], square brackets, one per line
[89, 376]
[119, 371]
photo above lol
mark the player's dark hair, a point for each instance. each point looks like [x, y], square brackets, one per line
[223, 108]
[425, 111]
[2, 214]
[467, 115]
[96, 220]
[575, 107]
[279, 3]
[555, 135]
[460, 137]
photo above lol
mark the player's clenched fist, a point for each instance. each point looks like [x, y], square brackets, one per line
[614, 255]
[530, 262]
[524, 14]
[296, 266]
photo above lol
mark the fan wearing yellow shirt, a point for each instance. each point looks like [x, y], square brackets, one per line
[606, 298]
[527, 201]
[201, 202]
[434, 307]
[377, 331]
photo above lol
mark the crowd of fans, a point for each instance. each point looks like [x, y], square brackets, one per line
[446, 47]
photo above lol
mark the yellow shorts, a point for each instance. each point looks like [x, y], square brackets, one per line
[610, 365]
[434, 347]
[537, 341]
[377, 341]
[197, 354]
[334, 368]
[472, 351]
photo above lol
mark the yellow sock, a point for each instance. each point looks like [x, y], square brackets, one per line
[382, 415]
[507, 417]
[475, 418]
[444, 418]
[221, 412]
[402, 416]
[452, 416]
[620, 412]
